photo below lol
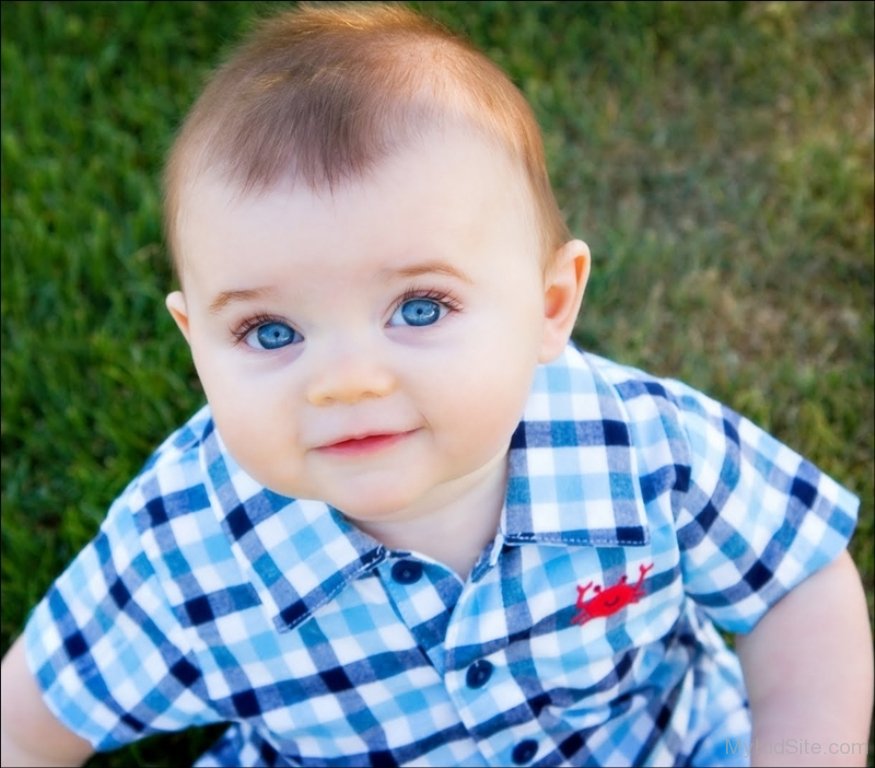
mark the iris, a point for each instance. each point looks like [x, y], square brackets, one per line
[274, 335]
[420, 312]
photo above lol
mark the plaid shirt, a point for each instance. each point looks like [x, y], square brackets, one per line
[640, 515]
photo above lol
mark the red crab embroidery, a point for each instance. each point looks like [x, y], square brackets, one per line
[610, 600]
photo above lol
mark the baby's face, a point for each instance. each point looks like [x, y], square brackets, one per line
[372, 348]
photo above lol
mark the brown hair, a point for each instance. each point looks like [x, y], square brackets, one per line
[322, 93]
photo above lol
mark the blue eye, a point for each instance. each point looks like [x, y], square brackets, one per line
[272, 335]
[418, 312]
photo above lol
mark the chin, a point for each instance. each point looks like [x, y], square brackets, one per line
[368, 513]
[371, 508]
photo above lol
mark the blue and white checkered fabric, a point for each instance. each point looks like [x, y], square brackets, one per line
[640, 516]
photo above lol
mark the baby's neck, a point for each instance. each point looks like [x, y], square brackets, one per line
[458, 527]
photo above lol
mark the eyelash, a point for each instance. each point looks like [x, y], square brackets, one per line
[251, 323]
[441, 297]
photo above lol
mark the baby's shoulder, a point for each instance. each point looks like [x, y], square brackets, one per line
[666, 419]
[630, 382]
[172, 476]
[643, 393]
[183, 444]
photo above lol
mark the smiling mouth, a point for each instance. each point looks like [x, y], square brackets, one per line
[366, 444]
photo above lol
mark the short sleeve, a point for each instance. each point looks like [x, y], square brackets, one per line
[756, 518]
[105, 645]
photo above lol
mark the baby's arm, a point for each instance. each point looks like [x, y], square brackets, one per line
[30, 735]
[808, 669]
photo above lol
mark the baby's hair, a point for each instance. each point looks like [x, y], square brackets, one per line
[320, 94]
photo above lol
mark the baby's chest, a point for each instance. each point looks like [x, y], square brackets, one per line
[583, 630]
[523, 650]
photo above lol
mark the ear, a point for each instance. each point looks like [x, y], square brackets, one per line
[175, 303]
[564, 284]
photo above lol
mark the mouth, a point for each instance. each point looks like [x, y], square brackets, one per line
[364, 444]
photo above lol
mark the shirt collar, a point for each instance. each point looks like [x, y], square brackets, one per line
[572, 478]
[571, 482]
[299, 554]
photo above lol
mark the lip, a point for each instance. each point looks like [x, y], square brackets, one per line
[364, 444]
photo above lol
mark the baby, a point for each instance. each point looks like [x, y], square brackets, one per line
[414, 524]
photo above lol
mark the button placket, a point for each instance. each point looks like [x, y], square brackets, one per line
[422, 595]
[482, 685]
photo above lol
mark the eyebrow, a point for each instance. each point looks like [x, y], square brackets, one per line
[229, 297]
[430, 268]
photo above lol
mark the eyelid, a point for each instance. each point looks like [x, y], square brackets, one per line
[447, 302]
[239, 331]
[439, 295]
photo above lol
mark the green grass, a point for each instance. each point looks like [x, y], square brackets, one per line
[717, 157]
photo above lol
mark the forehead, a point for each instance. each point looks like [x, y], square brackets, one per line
[446, 183]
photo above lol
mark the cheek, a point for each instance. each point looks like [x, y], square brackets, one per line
[261, 444]
[478, 397]
[250, 414]
[250, 437]
[222, 390]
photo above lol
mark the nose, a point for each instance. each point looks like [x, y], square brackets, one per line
[347, 377]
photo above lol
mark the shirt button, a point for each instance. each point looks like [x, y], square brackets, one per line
[407, 571]
[479, 673]
[524, 751]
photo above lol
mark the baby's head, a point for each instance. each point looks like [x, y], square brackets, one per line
[321, 95]
[372, 261]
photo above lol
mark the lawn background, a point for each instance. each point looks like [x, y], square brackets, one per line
[717, 157]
